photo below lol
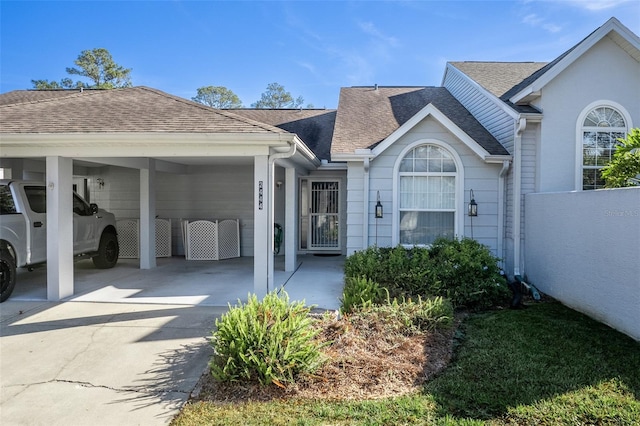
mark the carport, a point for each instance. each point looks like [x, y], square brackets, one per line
[50, 135]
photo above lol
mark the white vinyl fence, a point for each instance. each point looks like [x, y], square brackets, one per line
[583, 249]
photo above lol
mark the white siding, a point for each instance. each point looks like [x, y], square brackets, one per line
[355, 197]
[491, 116]
[212, 192]
[605, 72]
[481, 177]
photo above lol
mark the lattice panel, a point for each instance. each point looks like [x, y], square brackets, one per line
[202, 240]
[128, 238]
[163, 237]
[228, 239]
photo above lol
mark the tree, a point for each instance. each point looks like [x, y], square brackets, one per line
[276, 97]
[96, 65]
[217, 97]
[624, 168]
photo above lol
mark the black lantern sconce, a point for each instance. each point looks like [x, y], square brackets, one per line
[473, 206]
[378, 208]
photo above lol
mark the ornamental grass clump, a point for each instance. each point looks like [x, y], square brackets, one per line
[269, 341]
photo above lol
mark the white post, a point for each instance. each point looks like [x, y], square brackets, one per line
[59, 187]
[148, 216]
[290, 220]
[261, 208]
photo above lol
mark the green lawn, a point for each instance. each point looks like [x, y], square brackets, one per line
[544, 365]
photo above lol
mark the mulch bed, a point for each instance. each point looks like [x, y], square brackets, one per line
[364, 363]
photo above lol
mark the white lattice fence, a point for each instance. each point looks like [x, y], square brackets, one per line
[129, 238]
[211, 240]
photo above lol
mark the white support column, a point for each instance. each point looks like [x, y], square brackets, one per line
[148, 216]
[290, 220]
[261, 208]
[59, 228]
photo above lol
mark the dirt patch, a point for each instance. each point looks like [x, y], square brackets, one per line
[364, 362]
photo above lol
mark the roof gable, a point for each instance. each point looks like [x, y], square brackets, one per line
[531, 86]
[372, 118]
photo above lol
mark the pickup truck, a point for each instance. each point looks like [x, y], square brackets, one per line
[23, 231]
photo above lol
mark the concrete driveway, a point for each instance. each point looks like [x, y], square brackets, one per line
[75, 363]
[130, 347]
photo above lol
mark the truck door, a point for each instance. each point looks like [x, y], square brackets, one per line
[36, 223]
[85, 225]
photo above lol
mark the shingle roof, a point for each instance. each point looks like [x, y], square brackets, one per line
[498, 77]
[368, 115]
[313, 126]
[129, 110]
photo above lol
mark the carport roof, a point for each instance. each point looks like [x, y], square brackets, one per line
[127, 110]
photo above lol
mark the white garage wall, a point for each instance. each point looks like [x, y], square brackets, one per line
[207, 192]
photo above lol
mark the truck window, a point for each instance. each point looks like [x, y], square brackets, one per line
[7, 206]
[37, 198]
[80, 206]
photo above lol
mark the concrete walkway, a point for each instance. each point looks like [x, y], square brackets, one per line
[104, 358]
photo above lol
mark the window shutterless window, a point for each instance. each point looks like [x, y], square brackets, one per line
[427, 195]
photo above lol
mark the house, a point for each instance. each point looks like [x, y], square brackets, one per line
[492, 133]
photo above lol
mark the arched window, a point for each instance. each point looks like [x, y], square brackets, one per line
[426, 195]
[600, 129]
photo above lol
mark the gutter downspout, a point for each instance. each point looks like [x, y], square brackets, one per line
[365, 205]
[501, 210]
[517, 195]
[271, 207]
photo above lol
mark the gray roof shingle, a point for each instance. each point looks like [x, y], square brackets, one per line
[313, 126]
[128, 110]
[368, 115]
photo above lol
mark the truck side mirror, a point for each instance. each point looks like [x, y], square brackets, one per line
[94, 208]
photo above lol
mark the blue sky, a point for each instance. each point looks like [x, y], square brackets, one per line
[311, 48]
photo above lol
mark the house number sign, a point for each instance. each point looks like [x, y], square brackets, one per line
[260, 195]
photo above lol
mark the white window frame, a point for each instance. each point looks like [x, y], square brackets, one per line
[459, 190]
[579, 129]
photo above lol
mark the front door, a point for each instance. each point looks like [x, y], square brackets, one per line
[320, 215]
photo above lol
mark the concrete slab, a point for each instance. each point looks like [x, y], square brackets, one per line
[101, 363]
[318, 280]
[90, 360]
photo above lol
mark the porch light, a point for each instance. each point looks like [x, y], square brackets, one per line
[378, 208]
[473, 206]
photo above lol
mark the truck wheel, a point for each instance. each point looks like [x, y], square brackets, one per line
[7, 275]
[107, 251]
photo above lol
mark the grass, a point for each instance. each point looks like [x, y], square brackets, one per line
[544, 365]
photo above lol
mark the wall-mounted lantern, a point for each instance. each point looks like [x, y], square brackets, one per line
[473, 206]
[378, 208]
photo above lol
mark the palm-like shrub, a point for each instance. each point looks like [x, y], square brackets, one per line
[270, 341]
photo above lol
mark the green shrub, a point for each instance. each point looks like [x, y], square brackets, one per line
[406, 317]
[467, 273]
[464, 271]
[271, 341]
[360, 291]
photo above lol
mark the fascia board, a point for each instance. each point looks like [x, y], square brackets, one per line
[145, 144]
[431, 110]
[611, 25]
[493, 98]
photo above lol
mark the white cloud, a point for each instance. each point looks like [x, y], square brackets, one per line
[536, 21]
[370, 29]
[597, 5]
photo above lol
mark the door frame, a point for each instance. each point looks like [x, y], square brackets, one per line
[305, 183]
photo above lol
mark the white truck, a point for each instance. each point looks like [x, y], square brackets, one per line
[23, 231]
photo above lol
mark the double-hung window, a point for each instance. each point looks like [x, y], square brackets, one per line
[427, 195]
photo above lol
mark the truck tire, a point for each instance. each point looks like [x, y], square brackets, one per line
[7, 275]
[108, 251]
